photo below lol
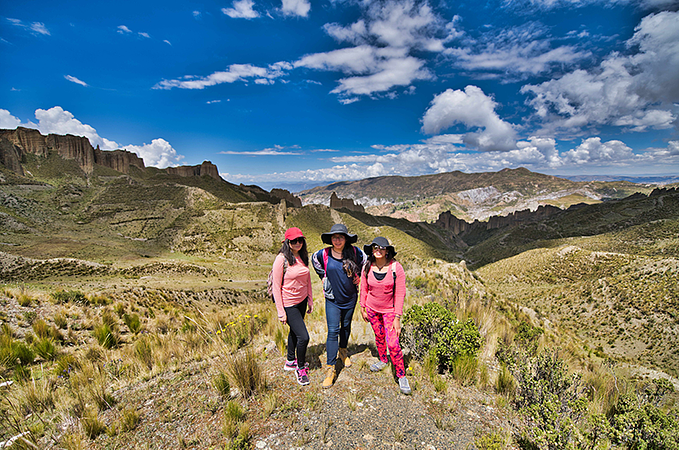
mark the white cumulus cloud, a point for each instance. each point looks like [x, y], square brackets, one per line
[159, 153]
[8, 121]
[242, 9]
[635, 91]
[474, 109]
[299, 8]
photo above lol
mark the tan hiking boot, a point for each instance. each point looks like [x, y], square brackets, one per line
[329, 376]
[344, 357]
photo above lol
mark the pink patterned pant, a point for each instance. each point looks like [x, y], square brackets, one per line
[386, 337]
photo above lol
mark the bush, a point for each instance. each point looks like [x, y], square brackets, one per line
[221, 383]
[41, 329]
[434, 327]
[143, 350]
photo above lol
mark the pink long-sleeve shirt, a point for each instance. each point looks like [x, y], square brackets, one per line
[294, 288]
[379, 295]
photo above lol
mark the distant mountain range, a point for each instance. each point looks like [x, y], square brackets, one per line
[647, 179]
[469, 196]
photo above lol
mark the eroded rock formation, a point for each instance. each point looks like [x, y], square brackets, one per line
[346, 203]
[448, 221]
[77, 148]
[287, 196]
[207, 168]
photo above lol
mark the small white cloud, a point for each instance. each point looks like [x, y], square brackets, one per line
[75, 80]
[474, 109]
[235, 72]
[210, 102]
[122, 29]
[242, 9]
[594, 151]
[146, 35]
[167, 42]
[8, 121]
[197, 14]
[159, 153]
[299, 8]
[34, 28]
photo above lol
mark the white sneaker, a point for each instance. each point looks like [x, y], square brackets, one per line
[404, 385]
[379, 365]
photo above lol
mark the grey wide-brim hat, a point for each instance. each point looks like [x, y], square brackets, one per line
[338, 228]
[382, 242]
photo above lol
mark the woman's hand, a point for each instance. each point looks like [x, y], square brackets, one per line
[283, 319]
[397, 325]
[310, 309]
[364, 314]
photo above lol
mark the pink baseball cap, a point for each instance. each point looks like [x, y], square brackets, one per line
[293, 233]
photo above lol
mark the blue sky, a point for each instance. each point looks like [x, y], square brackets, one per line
[305, 91]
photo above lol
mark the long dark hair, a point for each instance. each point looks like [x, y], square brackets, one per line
[287, 252]
[349, 262]
[371, 261]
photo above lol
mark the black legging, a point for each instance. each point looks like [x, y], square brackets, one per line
[298, 338]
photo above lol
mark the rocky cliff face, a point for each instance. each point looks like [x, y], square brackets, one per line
[76, 148]
[448, 221]
[10, 156]
[207, 168]
[346, 203]
[287, 196]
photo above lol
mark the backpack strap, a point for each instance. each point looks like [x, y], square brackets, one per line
[326, 252]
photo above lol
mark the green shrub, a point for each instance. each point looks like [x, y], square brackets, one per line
[505, 383]
[638, 424]
[233, 416]
[434, 327]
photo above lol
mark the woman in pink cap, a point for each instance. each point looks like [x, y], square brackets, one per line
[294, 298]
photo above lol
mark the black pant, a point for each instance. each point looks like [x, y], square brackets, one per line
[298, 339]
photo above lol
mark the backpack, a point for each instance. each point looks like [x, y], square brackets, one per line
[269, 280]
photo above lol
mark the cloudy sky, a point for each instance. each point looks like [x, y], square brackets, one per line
[317, 91]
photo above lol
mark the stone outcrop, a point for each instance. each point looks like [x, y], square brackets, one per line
[77, 148]
[10, 156]
[449, 222]
[344, 203]
[207, 168]
[287, 196]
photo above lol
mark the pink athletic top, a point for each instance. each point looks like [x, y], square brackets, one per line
[294, 288]
[378, 295]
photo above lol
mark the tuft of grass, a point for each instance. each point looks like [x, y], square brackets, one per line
[92, 424]
[221, 384]
[133, 323]
[246, 374]
[45, 348]
[464, 369]
[491, 441]
[129, 419]
[41, 329]
[234, 414]
[143, 350]
[440, 384]
[38, 395]
[107, 337]
[505, 383]
[24, 300]
[269, 404]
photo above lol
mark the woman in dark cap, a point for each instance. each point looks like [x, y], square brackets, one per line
[339, 267]
[383, 290]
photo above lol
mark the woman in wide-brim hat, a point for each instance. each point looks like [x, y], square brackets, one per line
[339, 267]
[383, 291]
[293, 296]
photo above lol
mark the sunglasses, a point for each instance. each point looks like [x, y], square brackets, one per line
[378, 247]
[299, 240]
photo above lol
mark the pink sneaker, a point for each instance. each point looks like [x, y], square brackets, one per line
[302, 377]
